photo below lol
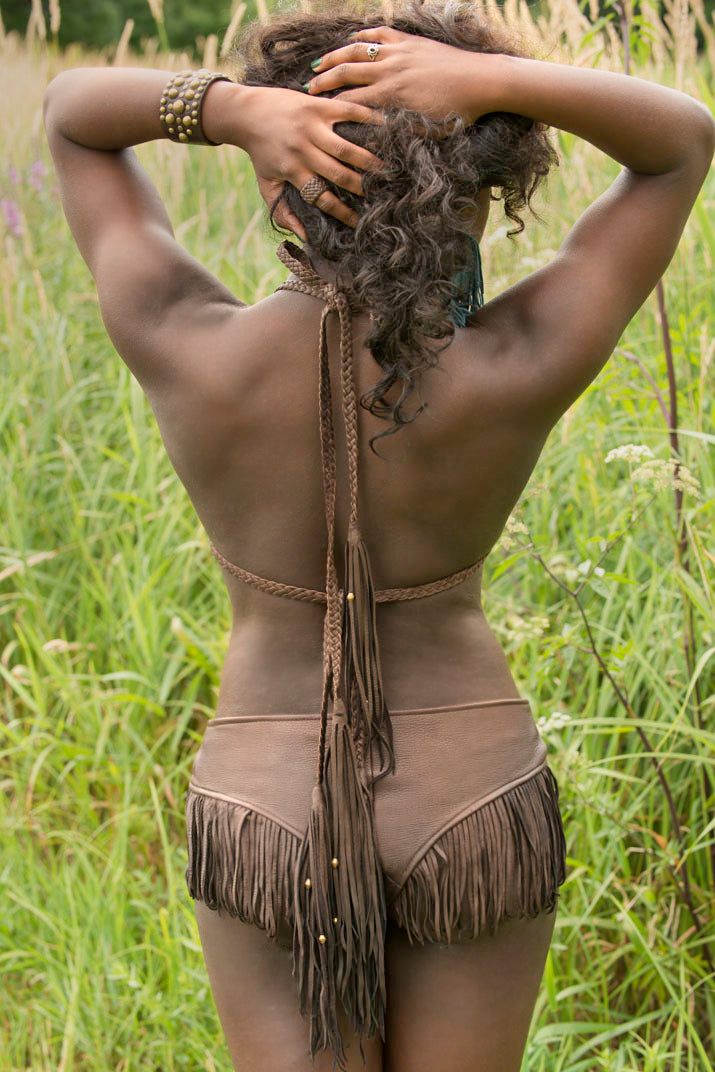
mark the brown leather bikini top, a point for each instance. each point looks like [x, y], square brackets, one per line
[309, 282]
[339, 896]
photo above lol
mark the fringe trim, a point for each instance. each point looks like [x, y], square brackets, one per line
[505, 860]
[340, 905]
[362, 676]
[240, 862]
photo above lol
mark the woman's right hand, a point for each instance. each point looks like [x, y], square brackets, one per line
[291, 138]
[409, 71]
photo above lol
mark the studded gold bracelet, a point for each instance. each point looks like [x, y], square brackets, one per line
[180, 107]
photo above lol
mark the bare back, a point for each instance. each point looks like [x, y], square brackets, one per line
[248, 451]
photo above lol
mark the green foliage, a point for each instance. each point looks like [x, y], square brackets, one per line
[113, 625]
[99, 24]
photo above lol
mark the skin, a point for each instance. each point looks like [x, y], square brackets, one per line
[233, 388]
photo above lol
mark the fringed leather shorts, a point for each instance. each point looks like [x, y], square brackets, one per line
[468, 827]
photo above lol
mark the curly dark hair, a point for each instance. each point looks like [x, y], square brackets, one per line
[410, 239]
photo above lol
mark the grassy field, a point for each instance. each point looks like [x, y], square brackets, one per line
[113, 623]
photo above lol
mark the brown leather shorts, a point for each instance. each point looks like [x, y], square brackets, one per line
[468, 827]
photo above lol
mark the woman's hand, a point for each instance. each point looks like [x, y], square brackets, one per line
[289, 137]
[410, 71]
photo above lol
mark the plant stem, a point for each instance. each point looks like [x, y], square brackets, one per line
[682, 545]
[682, 885]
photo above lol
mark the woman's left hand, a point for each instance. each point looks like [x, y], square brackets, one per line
[289, 137]
[409, 71]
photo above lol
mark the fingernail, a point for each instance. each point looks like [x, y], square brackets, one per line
[316, 63]
[306, 87]
[353, 34]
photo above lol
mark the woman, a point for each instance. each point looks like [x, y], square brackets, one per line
[415, 870]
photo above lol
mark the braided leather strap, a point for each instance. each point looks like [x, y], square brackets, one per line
[339, 898]
[307, 281]
[314, 595]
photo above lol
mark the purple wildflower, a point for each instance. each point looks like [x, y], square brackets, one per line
[38, 171]
[13, 217]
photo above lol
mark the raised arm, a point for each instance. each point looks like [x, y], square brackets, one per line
[158, 303]
[573, 311]
[567, 316]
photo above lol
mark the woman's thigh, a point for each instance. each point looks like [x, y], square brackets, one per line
[464, 1007]
[257, 1001]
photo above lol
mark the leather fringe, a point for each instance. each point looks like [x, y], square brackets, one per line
[505, 860]
[240, 862]
[362, 676]
[339, 858]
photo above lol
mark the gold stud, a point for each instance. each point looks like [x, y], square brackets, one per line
[183, 137]
[335, 919]
[194, 122]
[172, 130]
[350, 597]
[189, 94]
[178, 107]
[308, 884]
[334, 861]
[173, 93]
[194, 83]
[163, 100]
[322, 939]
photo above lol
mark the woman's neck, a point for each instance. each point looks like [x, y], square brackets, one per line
[325, 269]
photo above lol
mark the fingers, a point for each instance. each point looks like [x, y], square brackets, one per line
[368, 96]
[358, 113]
[386, 34]
[345, 151]
[333, 206]
[356, 156]
[328, 167]
[335, 71]
[294, 224]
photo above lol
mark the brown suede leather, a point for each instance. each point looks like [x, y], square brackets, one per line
[461, 833]
[449, 763]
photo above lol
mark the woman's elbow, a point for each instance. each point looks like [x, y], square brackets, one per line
[703, 142]
[56, 91]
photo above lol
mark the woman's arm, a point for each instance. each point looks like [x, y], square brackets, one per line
[568, 316]
[158, 303]
[574, 310]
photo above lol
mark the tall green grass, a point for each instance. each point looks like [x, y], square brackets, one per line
[113, 623]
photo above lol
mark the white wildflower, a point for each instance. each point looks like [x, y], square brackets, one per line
[519, 630]
[560, 567]
[587, 569]
[629, 452]
[516, 527]
[513, 528]
[665, 473]
[554, 721]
